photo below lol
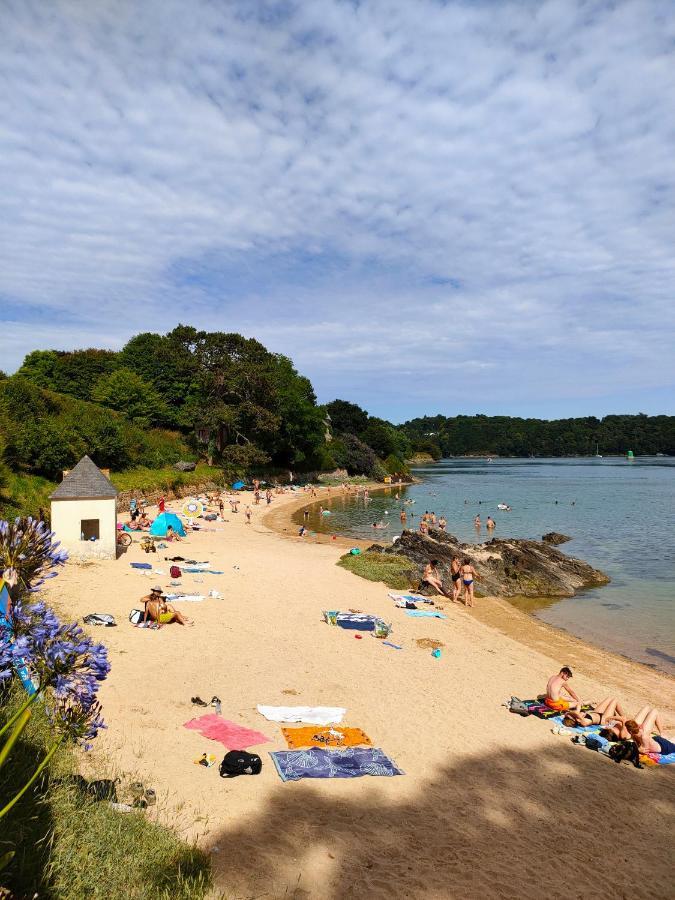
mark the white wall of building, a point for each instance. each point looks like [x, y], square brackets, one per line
[66, 523]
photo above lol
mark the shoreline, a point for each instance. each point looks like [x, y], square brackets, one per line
[499, 614]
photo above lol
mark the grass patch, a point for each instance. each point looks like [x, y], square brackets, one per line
[395, 571]
[69, 846]
[143, 479]
[25, 494]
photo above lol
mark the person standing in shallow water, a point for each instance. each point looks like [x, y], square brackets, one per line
[403, 517]
[490, 524]
[477, 523]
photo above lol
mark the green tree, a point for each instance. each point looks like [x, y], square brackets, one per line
[128, 393]
[347, 418]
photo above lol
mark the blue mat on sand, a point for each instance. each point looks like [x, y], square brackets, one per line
[425, 614]
[292, 765]
[140, 565]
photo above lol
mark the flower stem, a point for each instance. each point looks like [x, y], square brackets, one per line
[32, 779]
[24, 706]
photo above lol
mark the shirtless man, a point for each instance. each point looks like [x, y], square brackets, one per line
[161, 612]
[555, 687]
[403, 516]
[490, 524]
[431, 577]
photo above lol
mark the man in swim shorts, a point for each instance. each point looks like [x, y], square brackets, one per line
[161, 612]
[555, 687]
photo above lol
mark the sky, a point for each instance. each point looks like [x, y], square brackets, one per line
[454, 207]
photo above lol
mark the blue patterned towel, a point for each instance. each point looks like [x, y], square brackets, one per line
[357, 621]
[425, 614]
[292, 765]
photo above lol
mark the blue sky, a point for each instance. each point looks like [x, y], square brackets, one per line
[430, 207]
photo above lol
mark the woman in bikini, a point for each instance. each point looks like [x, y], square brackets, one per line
[641, 733]
[647, 720]
[468, 576]
[456, 575]
[605, 711]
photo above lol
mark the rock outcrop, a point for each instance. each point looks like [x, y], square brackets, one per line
[507, 568]
[554, 537]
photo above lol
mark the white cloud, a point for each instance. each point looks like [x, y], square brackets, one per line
[477, 195]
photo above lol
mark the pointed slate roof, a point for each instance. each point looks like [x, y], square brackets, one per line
[85, 482]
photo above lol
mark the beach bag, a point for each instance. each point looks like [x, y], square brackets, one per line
[240, 762]
[100, 619]
[175, 572]
[136, 616]
[518, 706]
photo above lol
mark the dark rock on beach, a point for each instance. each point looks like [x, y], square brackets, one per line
[507, 568]
[185, 466]
[554, 537]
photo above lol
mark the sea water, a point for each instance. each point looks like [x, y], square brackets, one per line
[619, 514]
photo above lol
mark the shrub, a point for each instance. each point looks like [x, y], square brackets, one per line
[395, 571]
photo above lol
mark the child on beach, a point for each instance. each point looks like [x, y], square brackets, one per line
[248, 514]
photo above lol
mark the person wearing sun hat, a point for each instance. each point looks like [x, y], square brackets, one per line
[159, 611]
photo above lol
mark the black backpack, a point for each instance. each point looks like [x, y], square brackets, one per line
[240, 762]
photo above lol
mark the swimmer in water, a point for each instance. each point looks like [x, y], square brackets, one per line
[490, 524]
[477, 522]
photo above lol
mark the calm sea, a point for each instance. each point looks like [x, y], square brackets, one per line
[620, 515]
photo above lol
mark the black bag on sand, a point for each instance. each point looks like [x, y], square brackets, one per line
[518, 706]
[240, 762]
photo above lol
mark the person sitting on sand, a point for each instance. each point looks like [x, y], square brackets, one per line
[172, 535]
[469, 575]
[556, 685]
[442, 523]
[424, 528]
[431, 577]
[144, 522]
[601, 713]
[159, 611]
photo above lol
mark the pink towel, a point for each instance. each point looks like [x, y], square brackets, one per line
[230, 735]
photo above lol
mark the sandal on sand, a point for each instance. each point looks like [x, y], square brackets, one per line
[197, 701]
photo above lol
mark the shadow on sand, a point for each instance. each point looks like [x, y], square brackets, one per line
[560, 823]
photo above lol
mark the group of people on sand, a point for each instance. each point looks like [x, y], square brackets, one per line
[645, 728]
[463, 575]
[157, 610]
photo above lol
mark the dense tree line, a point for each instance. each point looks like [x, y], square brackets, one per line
[509, 436]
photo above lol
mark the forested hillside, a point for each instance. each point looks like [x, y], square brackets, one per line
[507, 436]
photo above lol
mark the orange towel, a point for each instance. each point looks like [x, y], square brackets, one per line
[317, 736]
[560, 705]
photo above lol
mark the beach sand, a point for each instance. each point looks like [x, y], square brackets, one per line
[491, 805]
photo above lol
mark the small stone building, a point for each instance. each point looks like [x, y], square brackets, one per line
[84, 512]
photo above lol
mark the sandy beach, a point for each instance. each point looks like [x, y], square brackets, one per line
[491, 804]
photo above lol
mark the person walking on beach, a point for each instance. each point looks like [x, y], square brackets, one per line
[268, 496]
[305, 516]
[469, 574]
[555, 687]
[248, 513]
[161, 504]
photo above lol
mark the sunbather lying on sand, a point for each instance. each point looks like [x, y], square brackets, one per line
[161, 612]
[605, 711]
[640, 729]
[555, 687]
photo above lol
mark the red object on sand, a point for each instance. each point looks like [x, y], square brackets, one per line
[229, 734]
[358, 637]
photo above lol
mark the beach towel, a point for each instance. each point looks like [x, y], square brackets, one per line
[292, 765]
[229, 734]
[425, 614]
[189, 598]
[557, 722]
[410, 598]
[141, 565]
[314, 715]
[356, 622]
[311, 736]
[202, 571]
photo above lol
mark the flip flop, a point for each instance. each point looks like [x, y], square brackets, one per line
[197, 701]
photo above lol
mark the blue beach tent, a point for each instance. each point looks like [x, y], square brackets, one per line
[238, 485]
[162, 522]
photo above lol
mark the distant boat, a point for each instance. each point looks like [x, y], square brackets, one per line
[597, 454]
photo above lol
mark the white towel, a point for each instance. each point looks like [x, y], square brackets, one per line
[313, 715]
